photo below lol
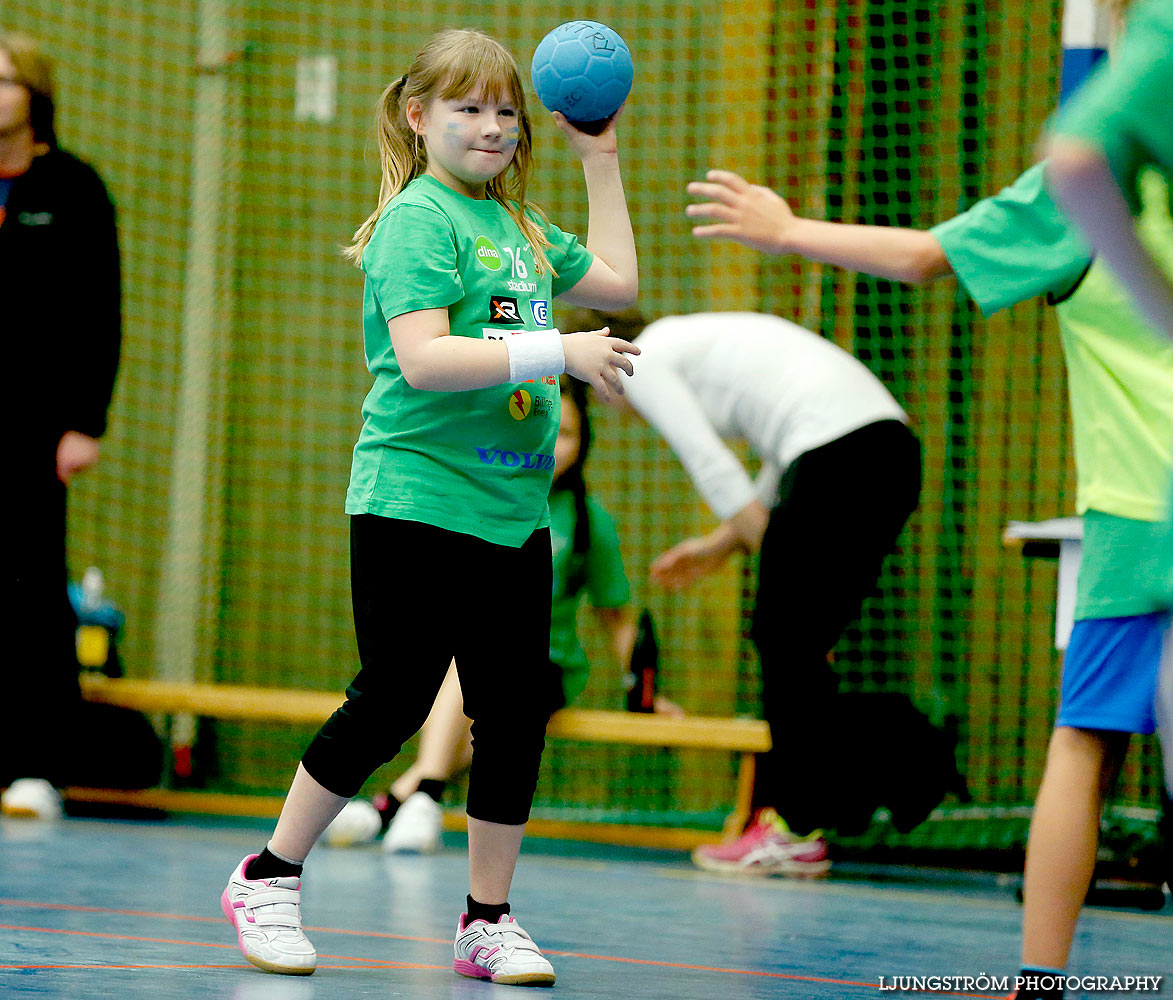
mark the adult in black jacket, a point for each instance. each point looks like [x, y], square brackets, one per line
[61, 334]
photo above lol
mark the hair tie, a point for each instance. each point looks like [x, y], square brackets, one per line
[403, 81]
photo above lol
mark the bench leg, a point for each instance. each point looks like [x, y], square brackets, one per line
[736, 821]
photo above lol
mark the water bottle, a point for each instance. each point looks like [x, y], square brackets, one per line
[645, 658]
[98, 624]
[93, 588]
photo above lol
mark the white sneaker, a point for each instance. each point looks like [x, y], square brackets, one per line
[416, 826]
[267, 916]
[34, 798]
[500, 952]
[358, 823]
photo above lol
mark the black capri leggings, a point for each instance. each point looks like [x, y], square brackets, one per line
[842, 509]
[423, 595]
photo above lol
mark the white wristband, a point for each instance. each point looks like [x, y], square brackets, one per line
[534, 354]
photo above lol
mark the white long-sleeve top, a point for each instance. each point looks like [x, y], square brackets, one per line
[709, 377]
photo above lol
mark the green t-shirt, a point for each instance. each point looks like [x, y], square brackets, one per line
[597, 574]
[1123, 109]
[1117, 567]
[478, 462]
[1017, 245]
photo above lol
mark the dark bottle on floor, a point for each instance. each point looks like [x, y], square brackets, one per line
[645, 657]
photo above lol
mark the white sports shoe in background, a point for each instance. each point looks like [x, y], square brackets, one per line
[33, 798]
[416, 826]
[358, 823]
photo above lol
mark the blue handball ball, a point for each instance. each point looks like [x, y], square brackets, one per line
[583, 69]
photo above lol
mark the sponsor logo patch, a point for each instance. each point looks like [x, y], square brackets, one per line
[503, 309]
[487, 254]
[520, 404]
[541, 310]
[515, 459]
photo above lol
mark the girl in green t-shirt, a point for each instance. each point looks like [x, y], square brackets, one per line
[450, 545]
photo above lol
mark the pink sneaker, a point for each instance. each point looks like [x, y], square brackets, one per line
[767, 847]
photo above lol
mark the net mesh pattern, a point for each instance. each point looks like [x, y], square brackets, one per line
[216, 513]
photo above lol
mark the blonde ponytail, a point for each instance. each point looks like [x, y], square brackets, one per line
[401, 160]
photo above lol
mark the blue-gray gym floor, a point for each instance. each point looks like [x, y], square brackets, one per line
[92, 908]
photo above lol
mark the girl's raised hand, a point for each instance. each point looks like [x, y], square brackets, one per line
[585, 144]
[597, 358]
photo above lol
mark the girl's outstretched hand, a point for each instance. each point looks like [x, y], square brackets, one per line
[740, 211]
[583, 143]
[596, 358]
[688, 561]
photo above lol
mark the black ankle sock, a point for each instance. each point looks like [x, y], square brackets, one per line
[433, 788]
[1034, 980]
[268, 865]
[387, 806]
[489, 912]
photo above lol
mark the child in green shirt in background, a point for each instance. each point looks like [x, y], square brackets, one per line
[1004, 250]
[1119, 123]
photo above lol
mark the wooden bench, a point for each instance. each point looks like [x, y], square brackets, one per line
[745, 737]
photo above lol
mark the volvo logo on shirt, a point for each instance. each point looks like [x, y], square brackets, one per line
[503, 309]
[516, 459]
[541, 310]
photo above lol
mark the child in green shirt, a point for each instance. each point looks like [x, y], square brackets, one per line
[1006, 249]
[450, 545]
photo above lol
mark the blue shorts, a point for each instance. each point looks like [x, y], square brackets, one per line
[1110, 673]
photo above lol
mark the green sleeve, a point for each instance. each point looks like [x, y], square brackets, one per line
[1014, 246]
[606, 582]
[410, 261]
[1123, 109]
[568, 257]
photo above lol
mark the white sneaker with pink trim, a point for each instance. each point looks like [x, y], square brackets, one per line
[500, 952]
[267, 916]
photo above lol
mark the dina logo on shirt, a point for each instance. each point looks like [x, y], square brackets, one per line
[487, 255]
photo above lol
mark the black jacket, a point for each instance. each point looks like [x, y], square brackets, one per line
[60, 299]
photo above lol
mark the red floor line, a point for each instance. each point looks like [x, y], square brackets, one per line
[403, 937]
[33, 904]
[74, 908]
[146, 967]
[121, 968]
[388, 963]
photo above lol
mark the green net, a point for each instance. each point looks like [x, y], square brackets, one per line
[237, 142]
